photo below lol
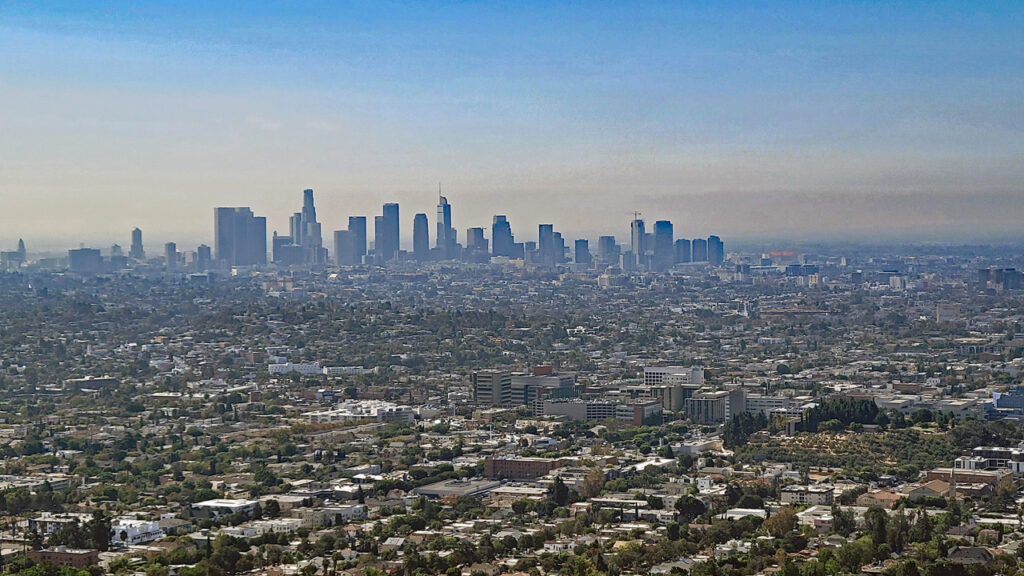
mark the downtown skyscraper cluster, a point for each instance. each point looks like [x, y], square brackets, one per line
[241, 240]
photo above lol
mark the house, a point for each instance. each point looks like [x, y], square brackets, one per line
[886, 499]
[930, 489]
[970, 555]
[391, 544]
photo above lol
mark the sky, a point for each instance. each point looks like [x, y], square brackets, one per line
[799, 120]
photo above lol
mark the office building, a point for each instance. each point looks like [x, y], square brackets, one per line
[715, 406]
[558, 248]
[684, 375]
[502, 240]
[380, 242]
[136, 251]
[420, 238]
[699, 250]
[304, 244]
[13, 258]
[545, 245]
[285, 251]
[520, 467]
[530, 390]
[664, 246]
[475, 239]
[171, 256]
[204, 258]
[345, 248]
[492, 388]
[445, 232]
[637, 237]
[85, 261]
[357, 226]
[708, 407]
[637, 413]
[716, 251]
[386, 234]
[608, 250]
[477, 248]
[581, 252]
[682, 251]
[240, 238]
[118, 261]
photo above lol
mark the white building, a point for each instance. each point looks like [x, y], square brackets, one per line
[220, 507]
[128, 531]
[288, 367]
[362, 410]
[347, 370]
[674, 375]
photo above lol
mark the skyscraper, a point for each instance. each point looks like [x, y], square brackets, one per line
[386, 234]
[420, 238]
[664, 248]
[304, 245]
[171, 256]
[682, 251]
[240, 238]
[607, 249]
[136, 251]
[637, 235]
[502, 240]
[716, 251]
[203, 258]
[581, 252]
[345, 248]
[477, 249]
[699, 250]
[546, 244]
[445, 232]
[312, 234]
[475, 239]
[357, 226]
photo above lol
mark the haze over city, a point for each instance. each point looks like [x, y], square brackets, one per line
[753, 120]
[512, 289]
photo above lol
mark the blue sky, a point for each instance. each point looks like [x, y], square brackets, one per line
[782, 119]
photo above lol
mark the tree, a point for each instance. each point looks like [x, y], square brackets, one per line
[877, 521]
[593, 483]
[99, 531]
[559, 492]
[521, 506]
[689, 508]
[781, 523]
[844, 522]
[272, 509]
[673, 532]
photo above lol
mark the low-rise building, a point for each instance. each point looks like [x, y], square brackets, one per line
[62, 556]
[811, 495]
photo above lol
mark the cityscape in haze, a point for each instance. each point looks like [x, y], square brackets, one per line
[512, 289]
[241, 242]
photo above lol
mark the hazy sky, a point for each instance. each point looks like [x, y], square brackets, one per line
[781, 119]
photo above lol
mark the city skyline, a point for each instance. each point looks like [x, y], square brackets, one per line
[899, 121]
